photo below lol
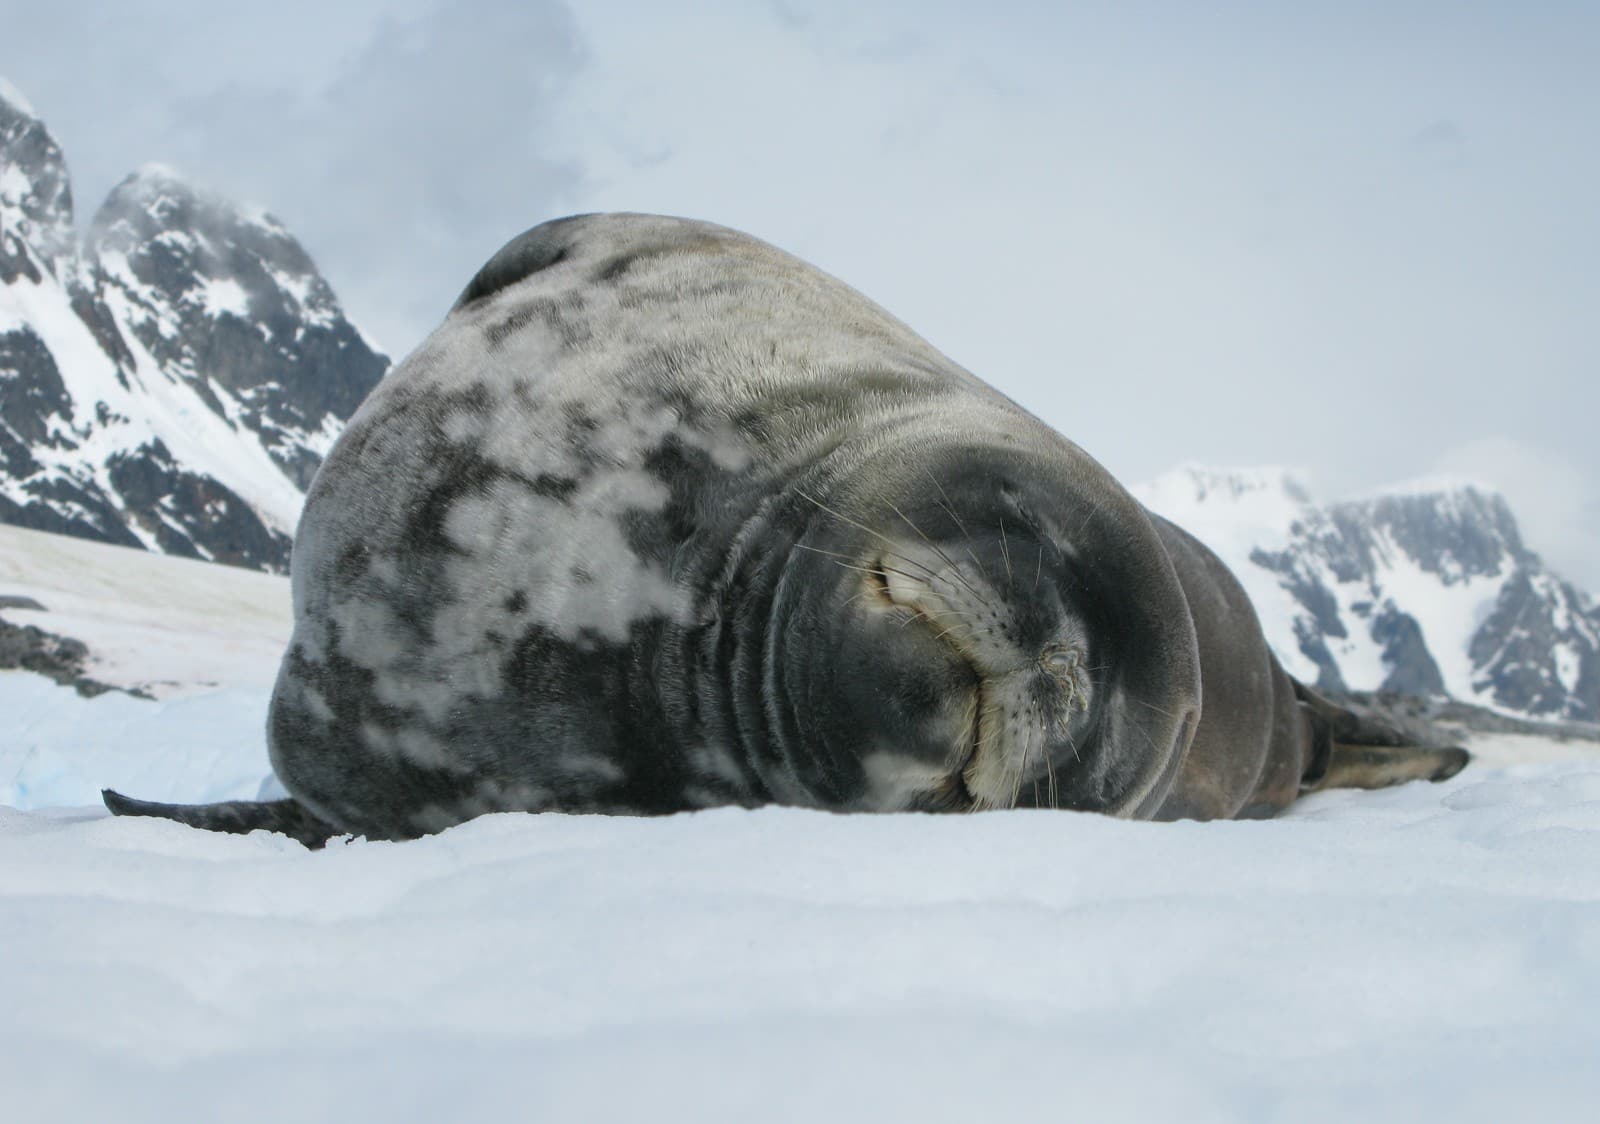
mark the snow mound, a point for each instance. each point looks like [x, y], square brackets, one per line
[1424, 952]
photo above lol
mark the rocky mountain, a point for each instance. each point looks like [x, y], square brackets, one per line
[1424, 590]
[173, 382]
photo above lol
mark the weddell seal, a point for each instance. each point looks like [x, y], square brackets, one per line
[662, 518]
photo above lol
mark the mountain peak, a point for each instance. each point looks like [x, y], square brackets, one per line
[1423, 587]
[1440, 485]
[1261, 492]
[1221, 482]
[176, 383]
[36, 223]
[13, 97]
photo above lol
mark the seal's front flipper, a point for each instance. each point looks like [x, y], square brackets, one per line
[238, 817]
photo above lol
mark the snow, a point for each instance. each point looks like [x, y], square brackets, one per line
[1424, 952]
[1448, 615]
[1568, 666]
[315, 309]
[15, 186]
[46, 308]
[222, 295]
[170, 626]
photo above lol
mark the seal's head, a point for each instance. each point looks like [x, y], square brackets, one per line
[987, 628]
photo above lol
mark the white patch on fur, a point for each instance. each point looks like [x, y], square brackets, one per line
[408, 743]
[571, 557]
[895, 780]
[716, 762]
[315, 704]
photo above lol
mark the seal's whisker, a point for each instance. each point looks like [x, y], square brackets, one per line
[862, 527]
[1020, 772]
[939, 616]
[935, 575]
[1152, 706]
[1038, 568]
[948, 505]
[947, 632]
[1093, 511]
[1050, 773]
[881, 571]
[819, 550]
[857, 597]
[849, 565]
[955, 569]
[1005, 549]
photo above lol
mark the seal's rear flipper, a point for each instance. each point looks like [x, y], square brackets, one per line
[238, 817]
[1378, 766]
[1350, 750]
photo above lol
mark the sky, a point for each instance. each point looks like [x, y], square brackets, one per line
[1357, 239]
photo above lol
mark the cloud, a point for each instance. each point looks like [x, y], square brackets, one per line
[1441, 145]
[1556, 505]
[401, 140]
[432, 144]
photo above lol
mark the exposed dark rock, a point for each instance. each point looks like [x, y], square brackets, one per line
[61, 658]
[1412, 670]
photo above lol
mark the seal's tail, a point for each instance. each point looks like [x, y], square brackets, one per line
[1353, 750]
[238, 817]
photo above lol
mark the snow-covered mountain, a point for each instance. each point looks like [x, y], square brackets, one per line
[174, 382]
[1425, 589]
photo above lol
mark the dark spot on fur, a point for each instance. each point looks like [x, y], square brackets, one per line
[564, 318]
[353, 563]
[578, 421]
[553, 487]
[497, 332]
[582, 575]
[616, 267]
[530, 252]
[517, 602]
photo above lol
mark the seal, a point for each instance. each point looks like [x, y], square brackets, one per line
[662, 518]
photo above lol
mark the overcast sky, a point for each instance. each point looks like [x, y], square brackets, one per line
[1361, 239]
